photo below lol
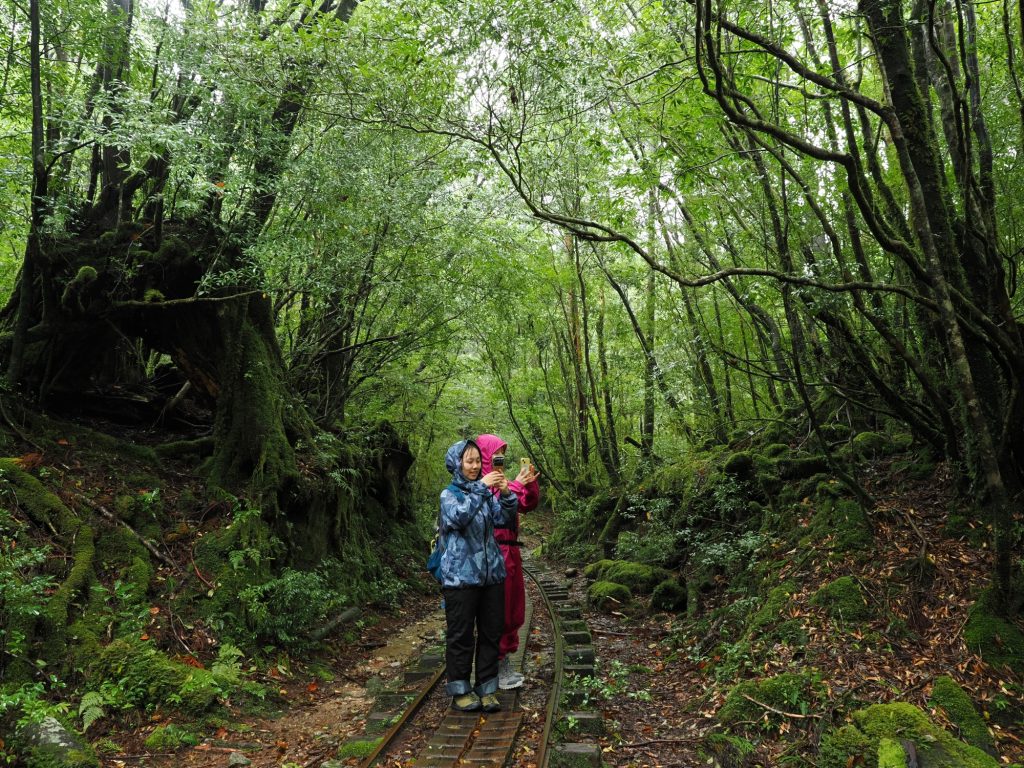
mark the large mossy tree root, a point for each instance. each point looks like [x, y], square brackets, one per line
[49, 512]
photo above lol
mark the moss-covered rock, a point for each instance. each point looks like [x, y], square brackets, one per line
[751, 699]
[959, 708]
[840, 523]
[891, 754]
[146, 678]
[801, 467]
[596, 571]
[870, 445]
[608, 594]
[669, 595]
[168, 738]
[771, 610]
[740, 465]
[995, 639]
[843, 599]
[48, 511]
[727, 749]
[842, 747]
[639, 577]
[935, 746]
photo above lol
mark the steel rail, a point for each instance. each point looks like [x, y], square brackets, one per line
[413, 707]
[554, 695]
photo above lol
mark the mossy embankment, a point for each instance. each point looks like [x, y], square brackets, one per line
[844, 624]
[133, 585]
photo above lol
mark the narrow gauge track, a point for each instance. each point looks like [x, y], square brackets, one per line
[482, 739]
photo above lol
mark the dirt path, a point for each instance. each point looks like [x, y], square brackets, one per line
[319, 711]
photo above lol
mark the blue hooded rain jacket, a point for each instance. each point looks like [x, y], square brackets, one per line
[471, 556]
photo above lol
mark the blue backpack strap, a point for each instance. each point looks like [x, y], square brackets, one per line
[456, 491]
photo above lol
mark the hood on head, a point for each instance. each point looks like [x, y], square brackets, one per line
[489, 445]
[453, 458]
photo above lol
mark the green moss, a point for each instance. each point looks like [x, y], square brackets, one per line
[361, 748]
[842, 523]
[995, 639]
[835, 432]
[891, 754]
[153, 296]
[870, 444]
[843, 747]
[935, 746]
[168, 738]
[958, 706]
[595, 571]
[49, 511]
[669, 595]
[799, 468]
[145, 678]
[901, 441]
[640, 578]
[739, 465]
[55, 757]
[772, 609]
[727, 749]
[843, 599]
[774, 450]
[607, 594]
[787, 692]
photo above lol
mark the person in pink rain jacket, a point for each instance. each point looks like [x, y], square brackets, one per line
[527, 490]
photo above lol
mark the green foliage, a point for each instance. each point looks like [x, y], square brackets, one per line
[32, 702]
[609, 681]
[843, 599]
[23, 588]
[285, 609]
[91, 709]
[133, 674]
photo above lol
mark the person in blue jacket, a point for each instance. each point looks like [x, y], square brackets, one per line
[473, 575]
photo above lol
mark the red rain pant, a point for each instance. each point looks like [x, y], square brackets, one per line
[515, 600]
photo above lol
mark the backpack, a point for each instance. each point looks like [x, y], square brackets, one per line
[437, 544]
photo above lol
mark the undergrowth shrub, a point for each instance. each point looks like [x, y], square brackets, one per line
[23, 589]
[285, 609]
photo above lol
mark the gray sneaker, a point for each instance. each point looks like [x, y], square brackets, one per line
[508, 678]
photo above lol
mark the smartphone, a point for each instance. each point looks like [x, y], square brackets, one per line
[524, 463]
[498, 461]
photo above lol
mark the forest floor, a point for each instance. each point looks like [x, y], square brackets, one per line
[659, 685]
[661, 677]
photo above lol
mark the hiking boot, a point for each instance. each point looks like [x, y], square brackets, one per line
[508, 678]
[490, 703]
[467, 702]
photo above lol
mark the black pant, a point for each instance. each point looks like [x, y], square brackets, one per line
[464, 609]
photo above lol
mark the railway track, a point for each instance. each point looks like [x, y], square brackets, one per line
[419, 729]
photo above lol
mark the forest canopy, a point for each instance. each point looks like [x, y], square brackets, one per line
[628, 232]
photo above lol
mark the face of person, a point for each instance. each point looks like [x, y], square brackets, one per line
[471, 463]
